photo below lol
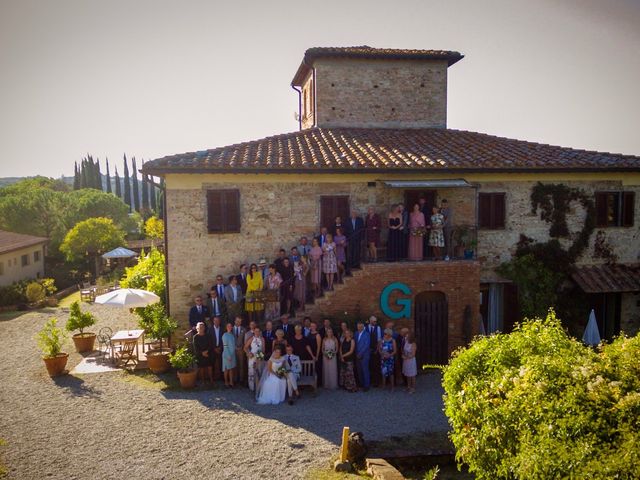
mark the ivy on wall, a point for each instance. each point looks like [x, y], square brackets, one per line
[540, 269]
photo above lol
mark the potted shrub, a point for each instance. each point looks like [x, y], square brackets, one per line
[35, 294]
[50, 340]
[183, 361]
[79, 320]
[160, 327]
[470, 249]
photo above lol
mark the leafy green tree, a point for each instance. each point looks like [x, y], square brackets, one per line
[88, 203]
[147, 274]
[152, 197]
[76, 176]
[154, 228]
[145, 192]
[127, 184]
[90, 238]
[536, 405]
[98, 175]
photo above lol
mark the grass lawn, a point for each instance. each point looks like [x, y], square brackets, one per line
[67, 301]
[329, 474]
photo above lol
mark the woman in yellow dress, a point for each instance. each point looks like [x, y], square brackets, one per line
[254, 284]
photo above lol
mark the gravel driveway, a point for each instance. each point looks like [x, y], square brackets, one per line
[99, 426]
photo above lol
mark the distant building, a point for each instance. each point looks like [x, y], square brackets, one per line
[21, 257]
[373, 133]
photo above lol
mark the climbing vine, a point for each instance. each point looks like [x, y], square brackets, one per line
[550, 261]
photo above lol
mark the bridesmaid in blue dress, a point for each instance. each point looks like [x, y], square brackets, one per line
[228, 355]
[387, 350]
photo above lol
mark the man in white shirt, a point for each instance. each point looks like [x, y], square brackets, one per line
[294, 368]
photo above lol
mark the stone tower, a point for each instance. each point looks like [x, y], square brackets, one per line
[373, 87]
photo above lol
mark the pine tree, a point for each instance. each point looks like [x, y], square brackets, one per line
[118, 189]
[127, 184]
[76, 176]
[136, 190]
[145, 191]
[152, 196]
[108, 177]
[98, 176]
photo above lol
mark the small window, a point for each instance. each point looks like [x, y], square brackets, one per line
[223, 211]
[491, 210]
[25, 260]
[615, 209]
[36, 257]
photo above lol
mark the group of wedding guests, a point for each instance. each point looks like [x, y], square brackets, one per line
[265, 291]
[269, 360]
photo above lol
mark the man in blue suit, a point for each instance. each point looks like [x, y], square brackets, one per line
[363, 343]
[197, 313]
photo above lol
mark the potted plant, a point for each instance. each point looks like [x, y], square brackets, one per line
[79, 320]
[470, 250]
[160, 327]
[461, 236]
[50, 340]
[183, 361]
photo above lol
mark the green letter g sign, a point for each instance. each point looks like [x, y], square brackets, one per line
[404, 303]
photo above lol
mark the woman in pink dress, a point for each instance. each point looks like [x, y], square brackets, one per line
[315, 258]
[416, 233]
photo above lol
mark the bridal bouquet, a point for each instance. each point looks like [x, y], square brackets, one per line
[329, 354]
[419, 231]
[259, 355]
[281, 372]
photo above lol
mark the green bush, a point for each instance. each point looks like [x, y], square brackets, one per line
[16, 293]
[50, 338]
[79, 320]
[183, 359]
[154, 321]
[35, 292]
[536, 404]
[147, 274]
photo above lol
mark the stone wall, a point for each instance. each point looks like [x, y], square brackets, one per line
[360, 294]
[380, 93]
[497, 246]
[630, 313]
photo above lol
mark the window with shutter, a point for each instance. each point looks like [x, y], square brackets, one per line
[332, 207]
[615, 209]
[491, 210]
[628, 203]
[223, 211]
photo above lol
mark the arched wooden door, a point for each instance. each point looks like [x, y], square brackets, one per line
[431, 316]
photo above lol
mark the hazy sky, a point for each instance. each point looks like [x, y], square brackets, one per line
[153, 78]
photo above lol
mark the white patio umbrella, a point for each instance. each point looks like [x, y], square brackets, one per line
[591, 333]
[128, 298]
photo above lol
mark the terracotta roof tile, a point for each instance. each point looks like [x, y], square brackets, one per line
[608, 278]
[325, 150]
[365, 51]
[10, 241]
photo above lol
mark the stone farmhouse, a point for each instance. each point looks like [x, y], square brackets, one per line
[21, 257]
[373, 132]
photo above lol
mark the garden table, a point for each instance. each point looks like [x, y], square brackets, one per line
[122, 336]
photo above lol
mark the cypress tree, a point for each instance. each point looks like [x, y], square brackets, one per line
[152, 197]
[136, 190]
[118, 189]
[145, 191]
[108, 177]
[83, 173]
[98, 176]
[76, 176]
[127, 184]
[161, 200]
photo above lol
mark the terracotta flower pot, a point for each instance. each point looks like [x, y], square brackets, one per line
[84, 342]
[188, 378]
[158, 360]
[55, 365]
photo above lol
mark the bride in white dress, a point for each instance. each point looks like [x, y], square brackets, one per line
[272, 389]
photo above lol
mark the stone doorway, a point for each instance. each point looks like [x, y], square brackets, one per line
[431, 317]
